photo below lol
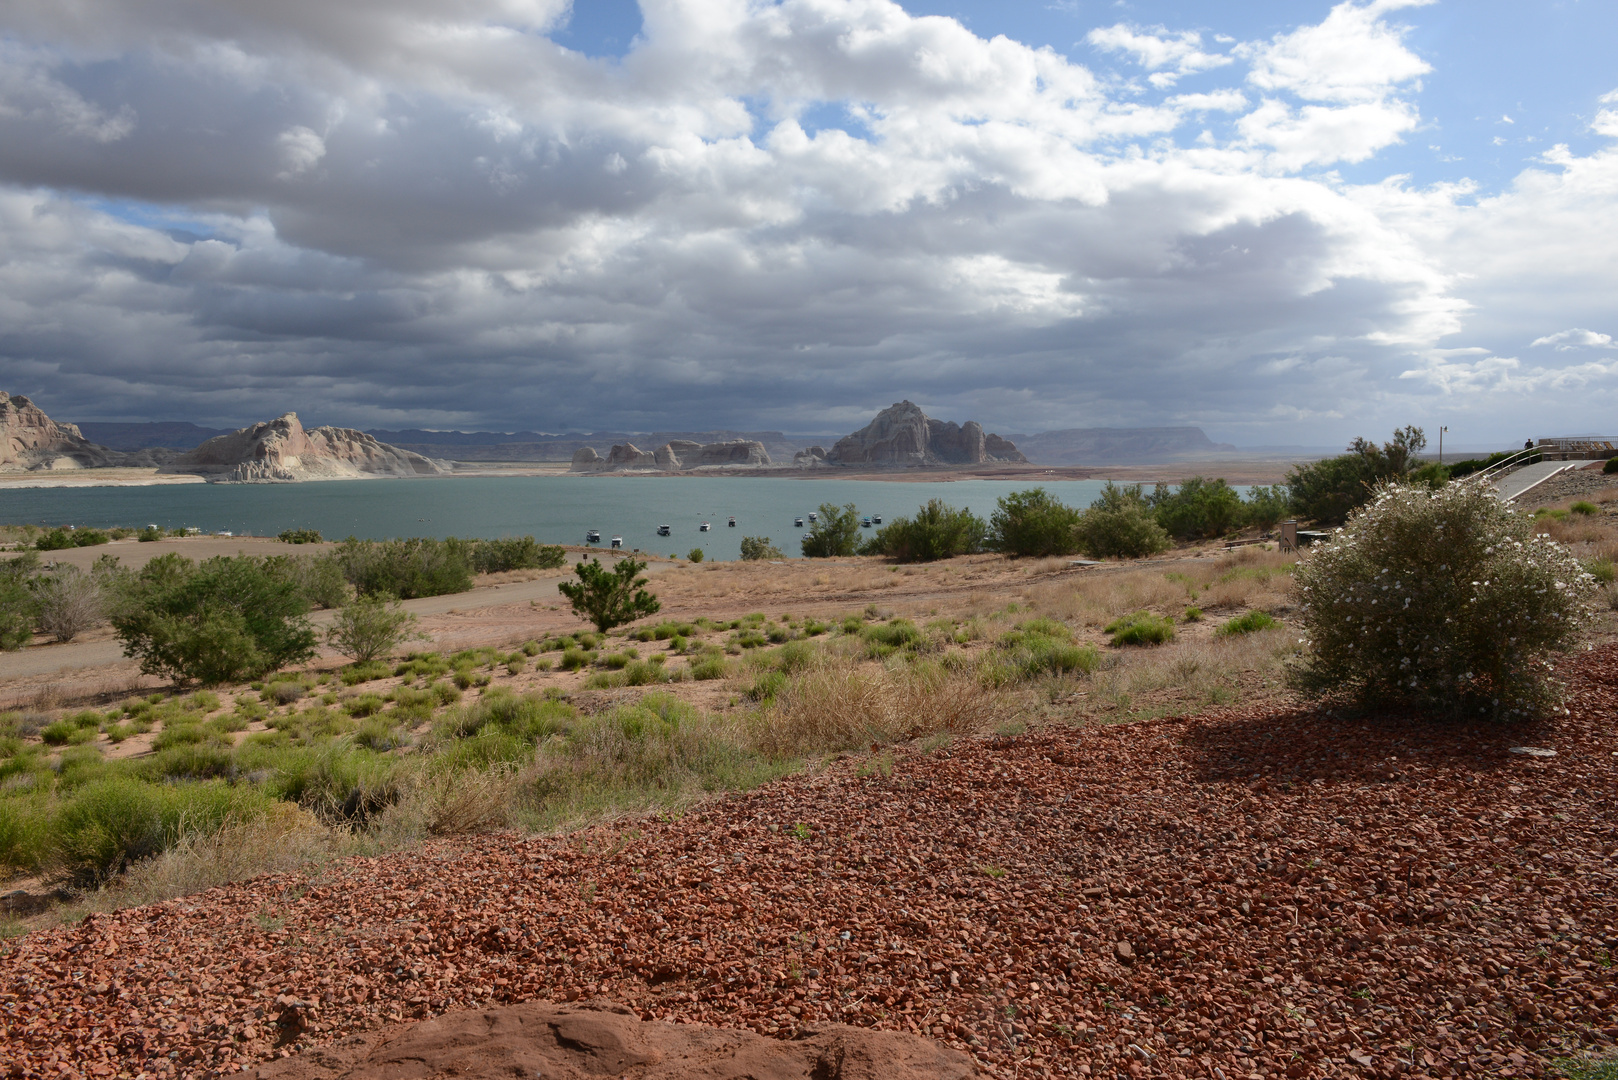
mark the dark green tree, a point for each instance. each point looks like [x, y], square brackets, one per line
[836, 533]
[1327, 491]
[936, 532]
[1035, 523]
[759, 547]
[18, 609]
[1120, 524]
[225, 619]
[1200, 508]
[610, 598]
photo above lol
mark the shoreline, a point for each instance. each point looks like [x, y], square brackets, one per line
[1234, 471]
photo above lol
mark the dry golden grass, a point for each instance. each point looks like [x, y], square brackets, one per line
[1246, 578]
[839, 703]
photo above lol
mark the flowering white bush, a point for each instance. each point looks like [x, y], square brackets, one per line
[1445, 600]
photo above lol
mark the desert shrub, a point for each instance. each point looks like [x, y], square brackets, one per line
[1246, 623]
[1045, 647]
[406, 569]
[936, 532]
[299, 536]
[1120, 524]
[1199, 508]
[574, 659]
[1601, 569]
[709, 666]
[60, 539]
[515, 553]
[364, 705]
[319, 578]
[17, 601]
[110, 823]
[695, 555]
[341, 783]
[1033, 523]
[609, 598]
[1582, 508]
[1611, 466]
[370, 627]
[222, 620]
[759, 547]
[1327, 491]
[1266, 506]
[283, 693]
[24, 834]
[1443, 600]
[1140, 628]
[68, 602]
[883, 639]
[835, 532]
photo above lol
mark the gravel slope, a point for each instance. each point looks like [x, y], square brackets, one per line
[1233, 895]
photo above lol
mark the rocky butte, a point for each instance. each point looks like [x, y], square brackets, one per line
[678, 455]
[31, 441]
[903, 435]
[280, 451]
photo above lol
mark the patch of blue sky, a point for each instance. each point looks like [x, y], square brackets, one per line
[175, 222]
[833, 115]
[600, 28]
[1543, 65]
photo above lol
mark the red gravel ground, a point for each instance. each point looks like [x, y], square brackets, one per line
[1233, 895]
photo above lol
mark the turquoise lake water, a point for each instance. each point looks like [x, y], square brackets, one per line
[554, 509]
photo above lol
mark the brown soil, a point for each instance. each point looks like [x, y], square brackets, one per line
[599, 1038]
[1246, 893]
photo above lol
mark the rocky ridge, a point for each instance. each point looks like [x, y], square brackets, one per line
[281, 451]
[677, 455]
[904, 435]
[31, 441]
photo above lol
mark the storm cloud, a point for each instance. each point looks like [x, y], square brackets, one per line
[409, 213]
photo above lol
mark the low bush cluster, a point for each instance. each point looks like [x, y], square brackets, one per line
[935, 532]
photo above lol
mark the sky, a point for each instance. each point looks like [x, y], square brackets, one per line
[1286, 223]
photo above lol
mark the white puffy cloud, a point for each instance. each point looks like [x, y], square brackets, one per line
[401, 212]
[1572, 339]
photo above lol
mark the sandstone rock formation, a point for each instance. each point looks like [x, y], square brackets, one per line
[32, 441]
[677, 455]
[597, 1039]
[280, 450]
[904, 435]
[1089, 446]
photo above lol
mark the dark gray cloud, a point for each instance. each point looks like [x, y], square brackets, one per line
[402, 213]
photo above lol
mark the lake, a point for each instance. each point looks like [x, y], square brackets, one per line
[554, 509]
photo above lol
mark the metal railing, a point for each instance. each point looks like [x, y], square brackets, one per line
[1517, 460]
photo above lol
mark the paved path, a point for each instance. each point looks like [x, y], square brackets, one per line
[1517, 482]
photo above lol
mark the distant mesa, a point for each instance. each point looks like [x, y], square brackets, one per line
[676, 455]
[1090, 446]
[903, 435]
[30, 441]
[281, 451]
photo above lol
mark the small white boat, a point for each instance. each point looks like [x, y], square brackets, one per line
[865, 523]
[593, 536]
[797, 522]
[704, 527]
[662, 530]
[813, 516]
[617, 541]
[876, 519]
[732, 523]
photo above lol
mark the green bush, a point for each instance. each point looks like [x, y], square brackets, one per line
[609, 598]
[1141, 628]
[1601, 569]
[1192, 614]
[936, 532]
[1046, 647]
[1198, 509]
[515, 553]
[299, 536]
[1442, 600]
[60, 539]
[883, 638]
[1266, 506]
[406, 569]
[759, 547]
[1033, 523]
[221, 621]
[370, 627]
[836, 532]
[18, 606]
[1119, 524]
[574, 659]
[695, 555]
[1327, 491]
[1611, 466]
[1246, 623]
[110, 823]
[709, 666]
[1583, 508]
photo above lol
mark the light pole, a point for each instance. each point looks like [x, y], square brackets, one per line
[1441, 431]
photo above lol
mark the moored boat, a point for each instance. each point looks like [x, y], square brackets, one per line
[593, 536]
[662, 530]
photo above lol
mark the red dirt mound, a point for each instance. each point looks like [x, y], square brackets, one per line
[598, 1038]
